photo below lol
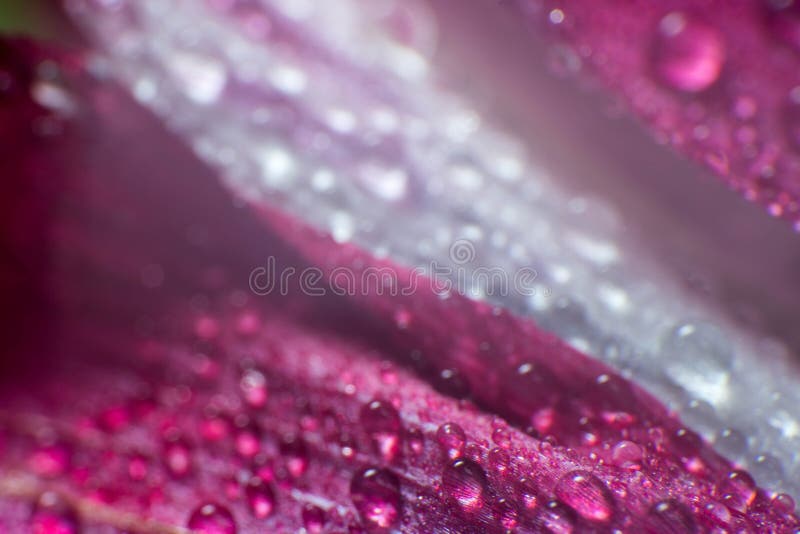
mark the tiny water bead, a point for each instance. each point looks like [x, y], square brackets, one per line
[254, 388]
[698, 357]
[260, 497]
[382, 422]
[499, 462]
[53, 515]
[138, 467]
[178, 458]
[669, 517]
[741, 490]
[557, 518]
[295, 455]
[247, 440]
[464, 481]
[212, 518]
[451, 440]
[587, 495]
[717, 514]
[50, 460]
[376, 496]
[783, 503]
[627, 454]
[313, 518]
[689, 53]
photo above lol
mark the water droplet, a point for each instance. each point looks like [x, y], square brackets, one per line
[376, 495]
[717, 513]
[53, 515]
[247, 440]
[507, 514]
[248, 324]
[415, 440]
[200, 77]
[698, 356]
[177, 458]
[114, 419]
[295, 456]
[137, 468]
[587, 495]
[206, 328]
[741, 487]
[313, 518]
[214, 428]
[50, 460]
[211, 518]
[451, 439]
[384, 182]
[558, 518]
[688, 53]
[501, 437]
[260, 497]
[499, 461]
[767, 470]
[528, 494]
[627, 454]
[783, 504]
[465, 482]
[254, 388]
[451, 383]
[731, 442]
[669, 517]
[383, 424]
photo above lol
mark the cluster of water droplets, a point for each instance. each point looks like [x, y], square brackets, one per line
[332, 114]
[392, 459]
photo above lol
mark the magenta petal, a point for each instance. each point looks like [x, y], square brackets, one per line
[715, 80]
[165, 394]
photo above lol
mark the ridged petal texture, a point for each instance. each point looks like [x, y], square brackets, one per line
[335, 113]
[149, 390]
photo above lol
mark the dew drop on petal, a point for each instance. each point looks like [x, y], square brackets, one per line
[627, 454]
[177, 458]
[528, 493]
[669, 517]
[247, 441]
[137, 468]
[295, 456]
[557, 518]
[50, 460]
[507, 514]
[254, 388]
[260, 498]
[586, 494]
[741, 488]
[783, 503]
[52, 515]
[451, 440]
[211, 518]
[464, 481]
[717, 514]
[376, 496]
[499, 461]
[689, 53]
[313, 518]
[382, 422]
